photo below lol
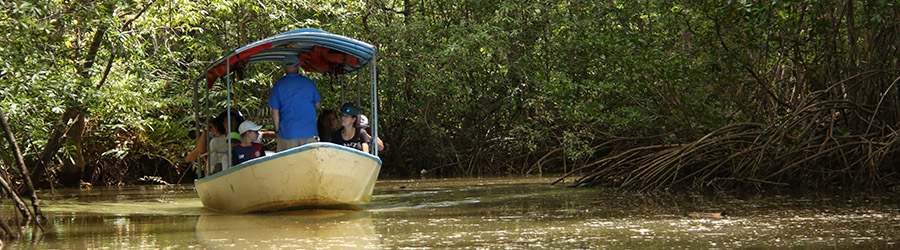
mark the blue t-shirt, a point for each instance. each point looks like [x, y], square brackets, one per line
[295, 98]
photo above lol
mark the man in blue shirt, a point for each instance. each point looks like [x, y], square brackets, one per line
[294, 100]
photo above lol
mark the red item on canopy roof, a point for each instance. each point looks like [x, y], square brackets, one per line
[312, 61]
[322, 60]
[341, 58]
[240, 59]
[318, 51]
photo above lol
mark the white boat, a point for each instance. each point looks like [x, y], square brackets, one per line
[312, 175]
[317, 174]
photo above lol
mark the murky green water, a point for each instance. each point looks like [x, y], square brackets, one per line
[471, 213]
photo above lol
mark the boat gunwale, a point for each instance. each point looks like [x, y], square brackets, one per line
[256, 161]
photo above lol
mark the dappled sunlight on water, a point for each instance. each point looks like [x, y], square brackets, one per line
[500, 214]
[472, 213]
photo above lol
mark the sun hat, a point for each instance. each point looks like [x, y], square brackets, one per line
[247, 126]
[290, 61]
[363, 121]
[349, 109]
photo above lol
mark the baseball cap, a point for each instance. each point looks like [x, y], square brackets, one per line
[290, 61]
[363, 121]
[349, 109]
[235, 136]
[247, 126]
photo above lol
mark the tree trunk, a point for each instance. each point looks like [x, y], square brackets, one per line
[852, 36]
[56, 137]
[71, 171]
[54, 142]
[35, 202]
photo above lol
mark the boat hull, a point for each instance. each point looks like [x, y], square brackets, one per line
[317, 174]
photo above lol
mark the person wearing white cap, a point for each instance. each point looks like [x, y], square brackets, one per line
[248, 149]
[364, 123]
[293, 102]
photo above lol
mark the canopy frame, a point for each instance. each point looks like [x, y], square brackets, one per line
[301, 42]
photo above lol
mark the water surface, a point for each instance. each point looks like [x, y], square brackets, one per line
[471, 213]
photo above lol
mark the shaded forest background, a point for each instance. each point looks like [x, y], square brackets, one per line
[642, 94]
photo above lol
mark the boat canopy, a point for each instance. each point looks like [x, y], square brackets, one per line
[318, 51]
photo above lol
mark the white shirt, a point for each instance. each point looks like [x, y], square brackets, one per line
[218, 153]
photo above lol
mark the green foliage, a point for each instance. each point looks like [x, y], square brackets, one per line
[507, 78]
[467, 85]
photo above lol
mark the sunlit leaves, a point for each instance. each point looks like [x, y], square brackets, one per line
[456, 78]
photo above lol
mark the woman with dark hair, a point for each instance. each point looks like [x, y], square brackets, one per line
[218, 144]
[328, 122]
[222, 120]
[351, 135]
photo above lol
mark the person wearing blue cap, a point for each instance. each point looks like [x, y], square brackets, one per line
[351, 135]
[293, 102]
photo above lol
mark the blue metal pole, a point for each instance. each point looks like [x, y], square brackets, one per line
[374, 120]
[228, 108]
[208, 136]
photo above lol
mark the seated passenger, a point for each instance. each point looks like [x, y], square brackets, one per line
[236, 119]
[364, 123]
[327, 123]
[201, 148]
[249, 148]
[218, 159]
[351, 135]
[222, 161]
[200, 145]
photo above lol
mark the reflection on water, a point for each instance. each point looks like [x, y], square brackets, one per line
[312, 229]
[497, 213]
[472, 213]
